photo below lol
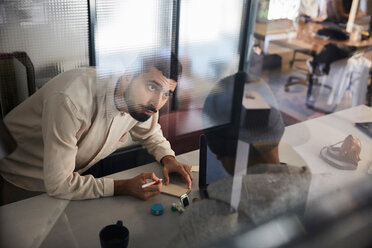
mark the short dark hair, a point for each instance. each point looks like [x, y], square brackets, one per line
[168, 64]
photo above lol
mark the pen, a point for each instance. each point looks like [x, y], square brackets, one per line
[151, 183]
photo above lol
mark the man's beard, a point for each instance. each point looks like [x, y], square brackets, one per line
[133, 110]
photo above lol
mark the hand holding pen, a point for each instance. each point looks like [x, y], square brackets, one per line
[138, 186]
[151, 183]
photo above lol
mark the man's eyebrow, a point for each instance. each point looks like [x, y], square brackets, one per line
[161, 86]
[157, 84]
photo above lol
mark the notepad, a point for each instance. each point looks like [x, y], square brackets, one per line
[195, 168]
[175, 189]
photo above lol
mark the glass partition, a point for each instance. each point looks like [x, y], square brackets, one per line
[209, 49]
[280, 152]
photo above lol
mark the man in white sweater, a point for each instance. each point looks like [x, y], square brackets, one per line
[77, 119]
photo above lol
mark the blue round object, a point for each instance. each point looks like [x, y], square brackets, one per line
[157, 209]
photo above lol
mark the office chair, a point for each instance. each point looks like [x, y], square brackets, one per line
[297, 80]
[17, 78]
[317, 91]
[328, 83]
[318, 70]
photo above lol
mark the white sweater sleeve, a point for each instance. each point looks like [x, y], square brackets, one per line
[60, 123]
[150, 135]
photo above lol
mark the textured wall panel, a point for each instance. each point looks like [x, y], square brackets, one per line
[128, 28]
[54, 34]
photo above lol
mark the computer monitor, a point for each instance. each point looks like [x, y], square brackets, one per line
[221, 114]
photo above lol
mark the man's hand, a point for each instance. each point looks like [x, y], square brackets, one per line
[134, 188]
[172, 165]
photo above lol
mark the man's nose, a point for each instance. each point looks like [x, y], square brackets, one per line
[156, 101]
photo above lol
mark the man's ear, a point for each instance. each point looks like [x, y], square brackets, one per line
[125, 81]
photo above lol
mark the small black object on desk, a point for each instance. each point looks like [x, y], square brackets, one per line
[114, 236]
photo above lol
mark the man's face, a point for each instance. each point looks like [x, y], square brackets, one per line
[147, 93]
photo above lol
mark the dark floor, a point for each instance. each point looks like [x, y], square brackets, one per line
[291, 104]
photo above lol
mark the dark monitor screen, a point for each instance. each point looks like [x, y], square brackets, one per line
[211, 169]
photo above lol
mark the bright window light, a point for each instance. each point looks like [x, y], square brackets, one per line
[283, 9]
[131, 25]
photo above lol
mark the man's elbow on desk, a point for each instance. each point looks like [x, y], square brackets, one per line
[77, 187]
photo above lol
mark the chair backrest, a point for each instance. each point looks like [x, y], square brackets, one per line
[17, 80]
[328, 85]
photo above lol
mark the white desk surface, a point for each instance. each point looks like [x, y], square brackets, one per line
[309, 137]
[48, 222]
[43, 221]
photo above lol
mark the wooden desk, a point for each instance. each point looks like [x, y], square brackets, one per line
[306, 38]
[272, 31]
